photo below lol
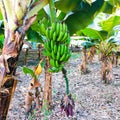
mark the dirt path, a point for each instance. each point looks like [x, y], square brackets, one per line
[93, 99]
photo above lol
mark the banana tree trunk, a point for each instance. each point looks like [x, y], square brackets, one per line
[91, 54]
[47, 93]
[106, 70]
[83, 67]
[6, 95]
[8, 62]
[17, 16]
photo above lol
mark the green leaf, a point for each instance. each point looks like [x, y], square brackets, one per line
[67, 5]
[87, 44]
[1, 17]
[107, 7]
[95, 34]
[43, 63]
[111, 22]
[41, 16]
[111, 40]
[1, 27]
[114, 2]
[83, 16]
[61, 16]
[1, 41]
[27, 70]
[34, 36]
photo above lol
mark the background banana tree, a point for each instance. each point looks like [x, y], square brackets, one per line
[88, 52]
[105, 42]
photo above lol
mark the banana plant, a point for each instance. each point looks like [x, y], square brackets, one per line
[34, 85]
[105, 42]
[18, 15]
[86, 44]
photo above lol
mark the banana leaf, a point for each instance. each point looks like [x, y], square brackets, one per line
[95, 34]
[1, 41]
[29, 71]
[34, 36]
[88, 44]
[114, 2]
[68, 5]
[110, 23]
[83, 16]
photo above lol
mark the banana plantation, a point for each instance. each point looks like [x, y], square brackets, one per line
[59, 59]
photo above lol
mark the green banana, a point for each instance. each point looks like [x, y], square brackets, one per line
[54, 69]
[54, 36]
[65, 37]
[56, 63]
[51, 34]
[61, 27]
[55, 48]
[58, 55]
[46, 53]
[62, 49]
[52, 63]
[53, 27]
[42, 29]
[50, 70]
[47, 33]
[59, 48]
[64, 27]
[60, 36]
[65, 49]
[57, 28]
[53, 55]
[47, 46]
[60, 68]
[62, 58]
[67, 57]
[52, 44]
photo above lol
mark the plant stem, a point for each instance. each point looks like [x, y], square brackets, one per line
[64, 71]
[52, 11]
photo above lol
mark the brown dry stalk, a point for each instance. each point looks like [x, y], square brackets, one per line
[47, 93]
[83, 67]
[28, 101]
[92, 53]
[106, 70]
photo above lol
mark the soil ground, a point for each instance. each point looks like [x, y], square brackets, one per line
[94, 100]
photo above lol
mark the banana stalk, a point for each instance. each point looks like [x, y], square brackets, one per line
[66, 80]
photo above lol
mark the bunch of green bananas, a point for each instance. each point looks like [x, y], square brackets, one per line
[57, 46]
[58, 33]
